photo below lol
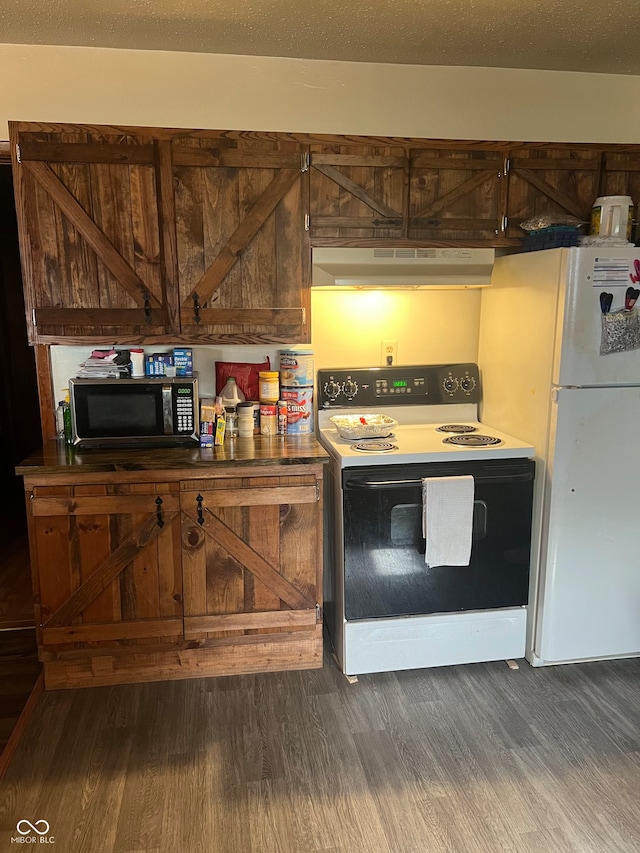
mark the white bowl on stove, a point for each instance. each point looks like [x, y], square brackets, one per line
[364, 426]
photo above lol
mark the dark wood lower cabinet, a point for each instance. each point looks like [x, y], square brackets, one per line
[176, 577]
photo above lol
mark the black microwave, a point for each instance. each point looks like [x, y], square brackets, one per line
[156, 411]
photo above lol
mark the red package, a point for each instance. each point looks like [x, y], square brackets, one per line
[245, 373]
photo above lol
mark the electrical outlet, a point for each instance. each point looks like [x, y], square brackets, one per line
[388, 352]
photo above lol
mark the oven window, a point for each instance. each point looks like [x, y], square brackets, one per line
[385, 573]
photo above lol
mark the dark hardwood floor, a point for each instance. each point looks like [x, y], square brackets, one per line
[466, 758]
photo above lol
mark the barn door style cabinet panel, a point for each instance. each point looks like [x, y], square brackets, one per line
[132, 235]
[454, 193]
[621, 174]
[176, 577]
[457, 194]
[106, 570]
[242, 249]
[358, 192]
[248, 560]
[152, 235]
[394, 194]
[544, 179]
[87, 205]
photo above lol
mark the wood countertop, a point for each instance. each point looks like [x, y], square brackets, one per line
[251, 455]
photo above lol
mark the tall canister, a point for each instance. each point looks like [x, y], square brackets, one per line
[296, 387]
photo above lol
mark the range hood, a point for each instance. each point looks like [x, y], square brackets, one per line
[409, 267]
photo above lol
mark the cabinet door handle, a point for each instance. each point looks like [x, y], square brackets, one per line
[390, 223]
[196, 308]
[199, 499]
[147, 306]
[159, 518]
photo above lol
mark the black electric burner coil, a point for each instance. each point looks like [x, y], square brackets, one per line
[472, 440]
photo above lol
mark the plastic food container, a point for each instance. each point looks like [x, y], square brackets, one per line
[269, 384]
[364, 426]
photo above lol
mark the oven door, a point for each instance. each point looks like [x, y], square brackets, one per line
[385, 573]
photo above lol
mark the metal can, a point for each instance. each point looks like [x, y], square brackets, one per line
[282, 417]
[296, 367]
[299, 409]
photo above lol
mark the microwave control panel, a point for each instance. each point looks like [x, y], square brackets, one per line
[184, 408]
[399, 385]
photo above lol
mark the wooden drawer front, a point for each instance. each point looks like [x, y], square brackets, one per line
[108, 563]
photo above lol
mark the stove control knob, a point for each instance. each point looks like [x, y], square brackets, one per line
[467, 383]
[350, 388]
[450, 384]
[331, 389]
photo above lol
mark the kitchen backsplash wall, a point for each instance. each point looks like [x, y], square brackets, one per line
[430, 326]
[347, 330]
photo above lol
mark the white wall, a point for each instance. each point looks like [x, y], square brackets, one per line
[159, 88]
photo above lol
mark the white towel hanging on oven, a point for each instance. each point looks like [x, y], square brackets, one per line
[447, 520]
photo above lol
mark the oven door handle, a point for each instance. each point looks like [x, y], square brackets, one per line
[372, 485]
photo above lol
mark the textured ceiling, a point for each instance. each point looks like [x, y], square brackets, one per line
[572, 35]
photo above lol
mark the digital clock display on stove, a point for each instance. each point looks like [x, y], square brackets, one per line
[400, 383]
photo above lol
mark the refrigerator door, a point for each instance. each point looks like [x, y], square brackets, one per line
[589, 575]
[589, 272]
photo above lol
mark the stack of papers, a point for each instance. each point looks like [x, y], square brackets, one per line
[105, 364]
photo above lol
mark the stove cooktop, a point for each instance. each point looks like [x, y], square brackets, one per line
[436, 407]
[425, 443]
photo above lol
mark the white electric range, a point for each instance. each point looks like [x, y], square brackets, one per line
[384, 607]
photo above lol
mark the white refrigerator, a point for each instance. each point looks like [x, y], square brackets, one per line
[546, 381]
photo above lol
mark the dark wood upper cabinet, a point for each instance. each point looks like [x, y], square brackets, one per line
[358, 192]
[89, 233]
[132, 235]
[457, 195]
[242, 251]
[363, 193]
[621, 174]
[152, 235]
[548, 179]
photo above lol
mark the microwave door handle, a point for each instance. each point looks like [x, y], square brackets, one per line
[373, 485]
[167, 410]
